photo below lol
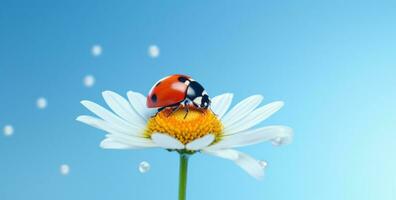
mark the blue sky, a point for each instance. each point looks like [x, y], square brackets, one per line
[331, 62]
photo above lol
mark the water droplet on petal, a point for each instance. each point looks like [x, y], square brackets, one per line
[96, 50]
[144, 167]
[278, 141]
[64, 169]
[41, 103]
[8, 130]
[89, 80]
[263, 164]
[154, 51]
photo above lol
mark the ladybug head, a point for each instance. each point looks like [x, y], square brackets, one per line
[205, 101]
[201, 101]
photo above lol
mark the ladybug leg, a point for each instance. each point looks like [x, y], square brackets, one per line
[174, 109]
[159, 110]
[212, 111]
[186, 110]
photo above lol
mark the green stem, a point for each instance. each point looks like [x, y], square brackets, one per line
[183, 176]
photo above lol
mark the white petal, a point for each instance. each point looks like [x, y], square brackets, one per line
[242, 109]
[200, 143]
[108, 127]
[254, 118]
[108, 116]
[123, 137]
[247, 163]
[166, 141]
[221, 103]
[122, 107]
[254, 136]
[222, 153]
[138, 102]
[109, 143]
[250, 165]
[132, 141]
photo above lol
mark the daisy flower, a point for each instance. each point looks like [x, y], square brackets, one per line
[215, 131]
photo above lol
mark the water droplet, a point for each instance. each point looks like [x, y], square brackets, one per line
[278, 141]
[263, 164]
[41, 103]
[144, 167]
[8, 130]
[64, 169]
[96, 50]
[154, 51]
[89, 80]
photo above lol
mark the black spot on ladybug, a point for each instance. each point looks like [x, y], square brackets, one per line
[158, 84]
[154, 98]
[182, 79]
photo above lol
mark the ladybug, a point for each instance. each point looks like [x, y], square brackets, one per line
[175, 91]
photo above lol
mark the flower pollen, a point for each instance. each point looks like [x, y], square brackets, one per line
[185, 126]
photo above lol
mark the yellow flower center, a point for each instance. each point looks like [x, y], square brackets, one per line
[185, 126]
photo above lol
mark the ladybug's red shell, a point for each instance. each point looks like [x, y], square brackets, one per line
[168, 91]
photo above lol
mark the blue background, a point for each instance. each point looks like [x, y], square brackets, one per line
[332, 62]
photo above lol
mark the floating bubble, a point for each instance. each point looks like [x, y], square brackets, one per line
[41, 103]
[144, 167]
[64, 169]
[96, 50]
[263, 164]
[89, 80]
[154, 51]
[8, 130]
